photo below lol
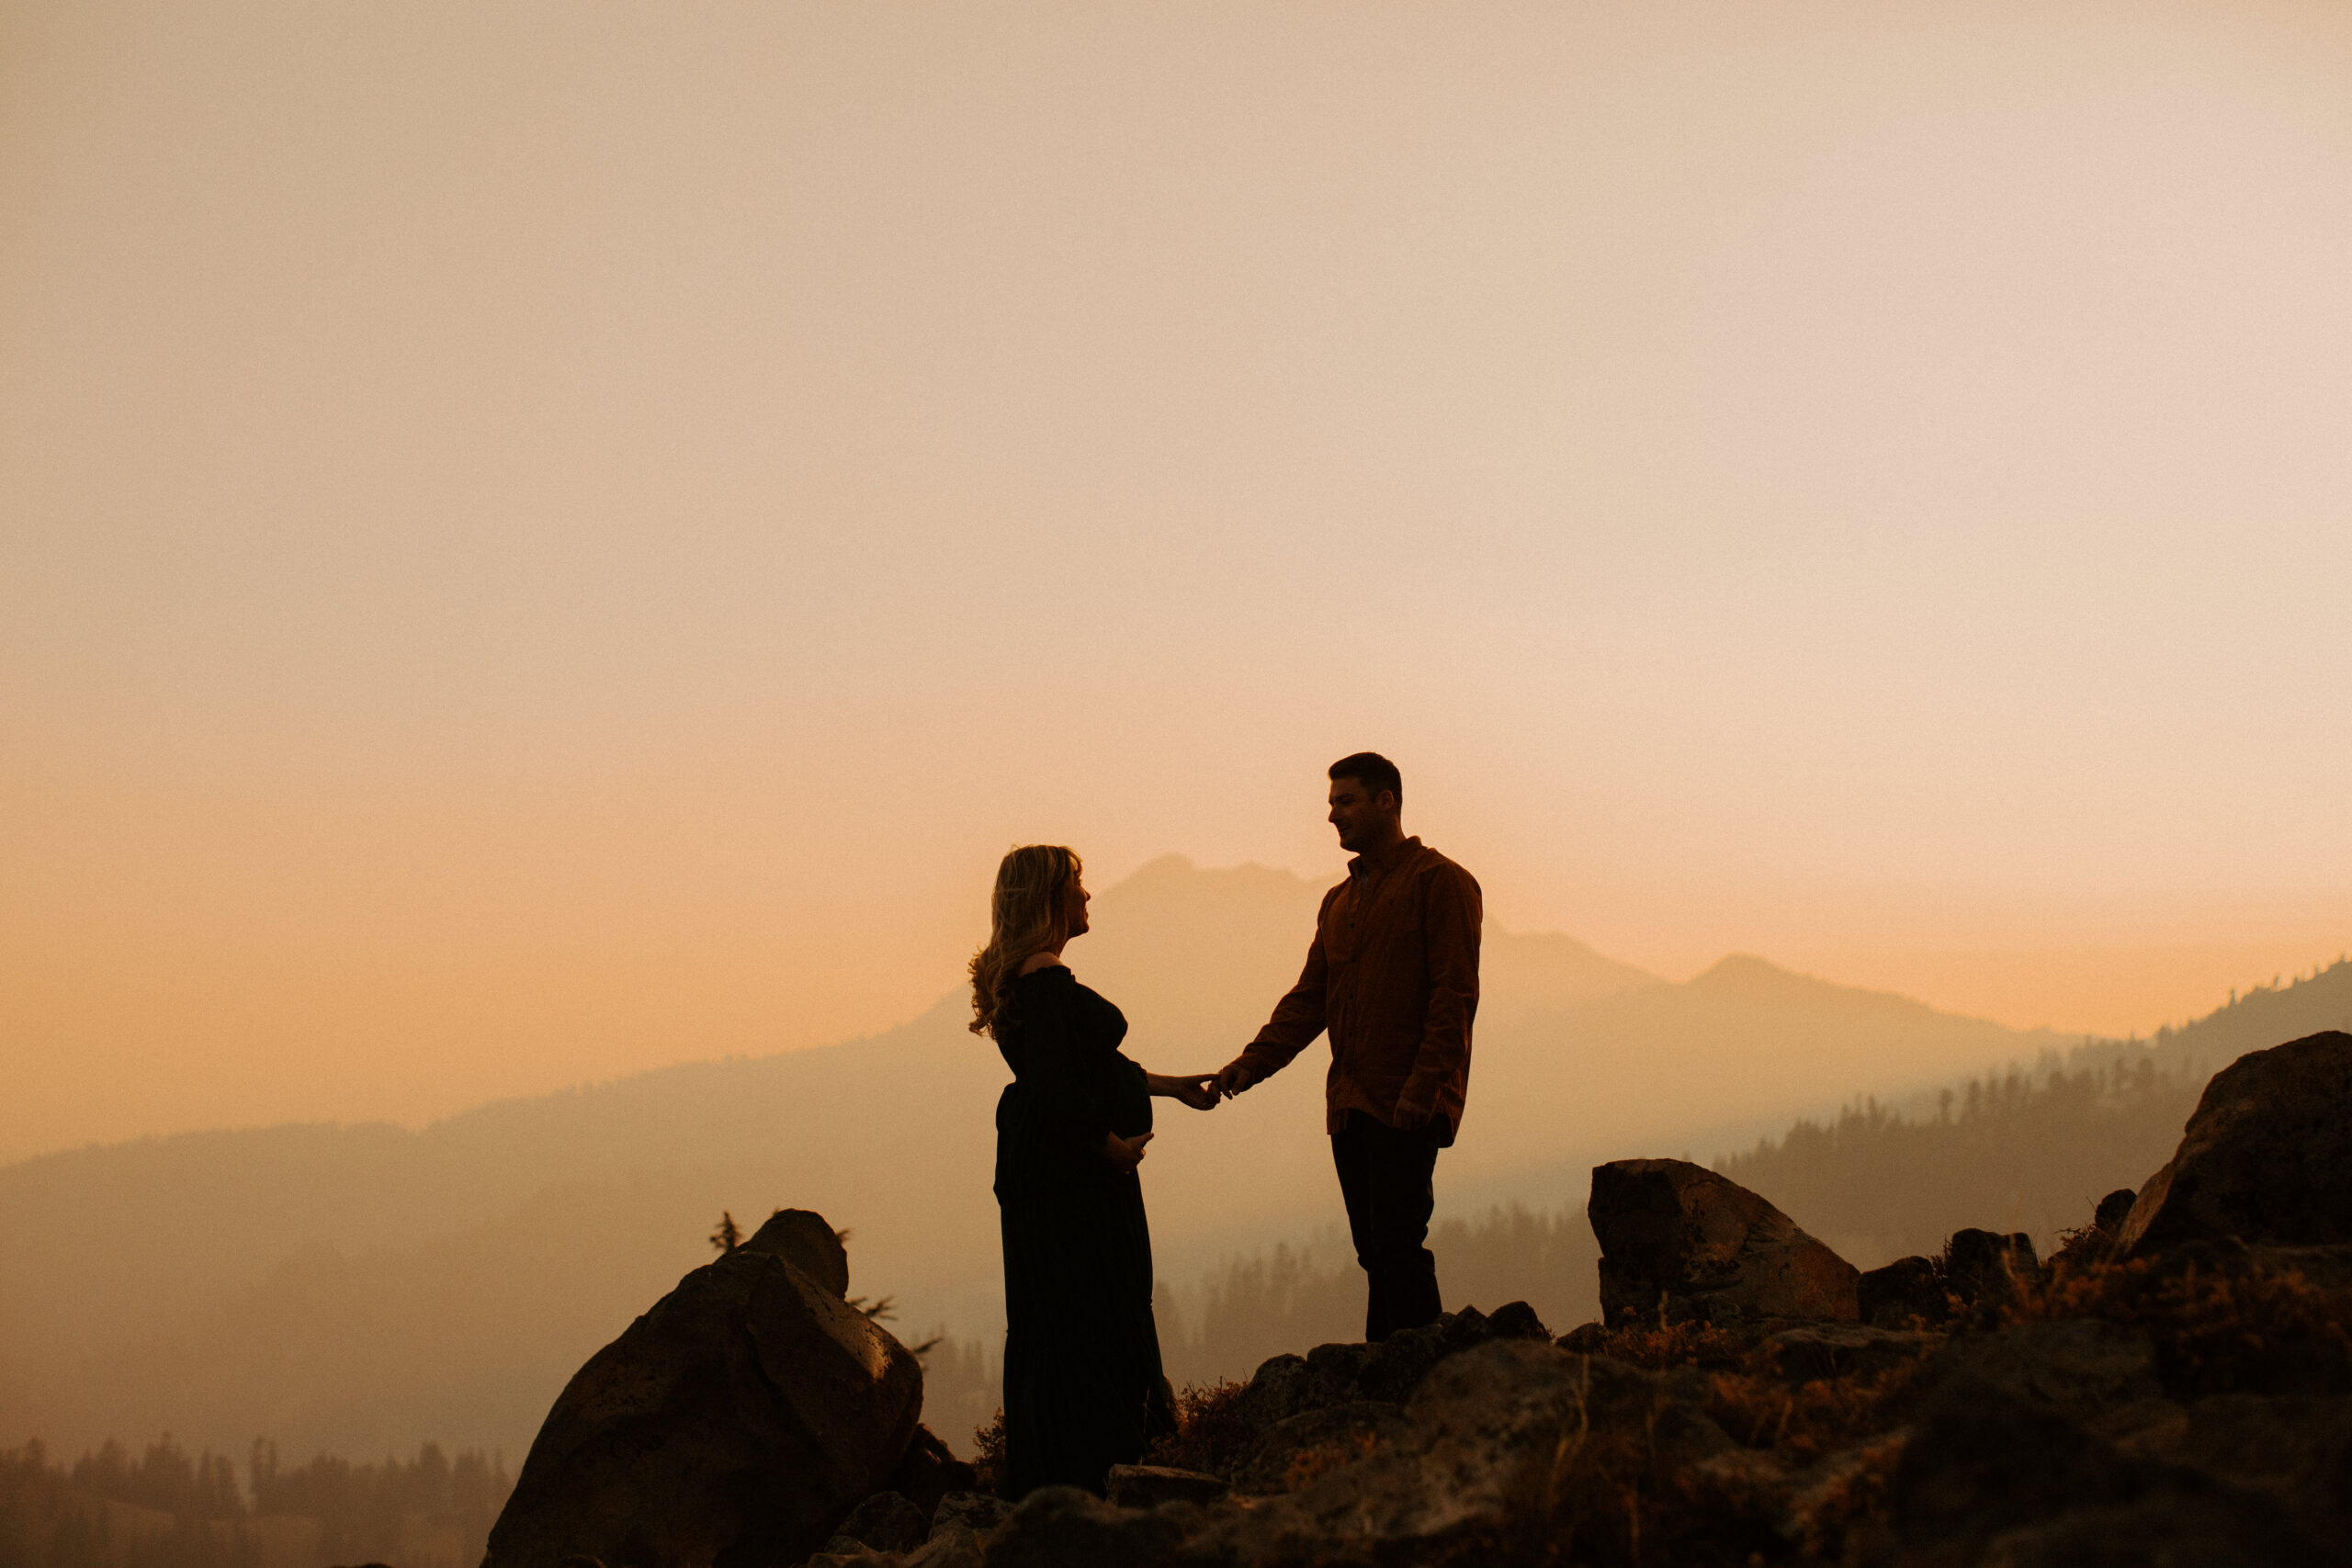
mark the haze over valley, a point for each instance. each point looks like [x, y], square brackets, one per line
[547, 550]
[359, 1288]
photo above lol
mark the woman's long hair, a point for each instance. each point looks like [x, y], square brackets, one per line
[1025, 916]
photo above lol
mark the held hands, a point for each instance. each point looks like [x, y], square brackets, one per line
[1125, 1153]
[1198, 1090]
[1234, 1077]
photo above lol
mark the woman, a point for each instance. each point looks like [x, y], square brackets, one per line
[1082, 1385]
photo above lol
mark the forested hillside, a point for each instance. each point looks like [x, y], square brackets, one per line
[2032, 1150]
[165, 1509]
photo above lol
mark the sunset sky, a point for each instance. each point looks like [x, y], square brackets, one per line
[539, 541]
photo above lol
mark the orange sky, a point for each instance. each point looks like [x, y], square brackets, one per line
[541, 540]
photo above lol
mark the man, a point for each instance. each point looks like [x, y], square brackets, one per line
[1393, 974]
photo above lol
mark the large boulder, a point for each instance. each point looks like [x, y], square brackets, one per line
[734, 1425]
[1676, 1238]
[802, 1238]
[2266, 1157]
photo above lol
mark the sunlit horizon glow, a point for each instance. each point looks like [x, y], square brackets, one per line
[539, 541]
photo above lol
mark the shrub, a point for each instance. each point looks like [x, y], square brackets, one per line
[2219, 1323]
[987, 1451]
[1210, 1429]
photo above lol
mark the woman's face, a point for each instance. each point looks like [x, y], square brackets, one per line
[1074, 899]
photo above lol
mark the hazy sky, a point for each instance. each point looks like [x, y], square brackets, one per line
[542, 540]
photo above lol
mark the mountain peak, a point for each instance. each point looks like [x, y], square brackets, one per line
[1160, 866]
[1743, 971]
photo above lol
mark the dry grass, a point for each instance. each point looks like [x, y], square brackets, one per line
[1752, 1400]
[1310, 1465]
[2217, 1326]
[1616, 1495]
[2251, 1328]
[1701, 1345]
[987, 1451]
[1210, 1432]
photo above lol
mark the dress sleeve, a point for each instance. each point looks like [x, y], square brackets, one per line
[1073, 1119]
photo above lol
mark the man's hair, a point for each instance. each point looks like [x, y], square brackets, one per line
[1373, 771]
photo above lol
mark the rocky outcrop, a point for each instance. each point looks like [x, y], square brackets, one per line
[1827, 1350]
[2198, 1411]
[927, 1472]
[2266, 1156]
[1989, 1476]
[2190, 1405]
[802, 1238]
[1977, 1272]
[1511, 1451]
[1680, 1243]
[1339, 1401]
[1904, 1294]
[1149, 1485]
[734, 1425]
[2194, 1406]
[887, 1521]
[1988, 1266]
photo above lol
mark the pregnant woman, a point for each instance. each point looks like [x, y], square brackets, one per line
[1083, 1390]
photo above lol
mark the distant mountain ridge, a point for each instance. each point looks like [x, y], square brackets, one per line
[362, 1286]
[2031, 1150]
[2251, 1020]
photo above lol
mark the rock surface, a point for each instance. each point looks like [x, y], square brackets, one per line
[802, 1238]
[1679, 1241]
[1982, 1267]
[2192, 1406]
[734, 1425]
[2266, 1156]
[883, 1522]
[927, 1472]
[1060, 1527]
[1906, 1292]
[1989, 1476]
[2047, 1442]
[976, 1511]
[1339, 1401]
[1846, 1349]
[1149, 1485]
[1978, 1272]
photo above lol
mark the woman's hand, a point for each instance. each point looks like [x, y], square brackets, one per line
[1125, 1153]
[1198, 1090]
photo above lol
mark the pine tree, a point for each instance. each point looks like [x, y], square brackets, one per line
[727, 1236]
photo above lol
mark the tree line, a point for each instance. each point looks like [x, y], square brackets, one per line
[2029, 1150]
[165, 1509]
[2018, 1153]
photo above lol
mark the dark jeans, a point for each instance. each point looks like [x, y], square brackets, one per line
[1384, 1177]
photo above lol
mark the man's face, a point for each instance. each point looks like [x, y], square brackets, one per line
[1364, 822]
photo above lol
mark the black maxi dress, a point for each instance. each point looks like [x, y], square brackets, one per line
[1083, 1389]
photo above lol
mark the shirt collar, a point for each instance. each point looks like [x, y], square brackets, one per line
[1380, 860]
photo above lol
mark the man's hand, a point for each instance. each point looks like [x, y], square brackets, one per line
[1125, 1153]
[1236, 1075]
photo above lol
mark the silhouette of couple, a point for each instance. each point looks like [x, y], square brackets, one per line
[1392, 973]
